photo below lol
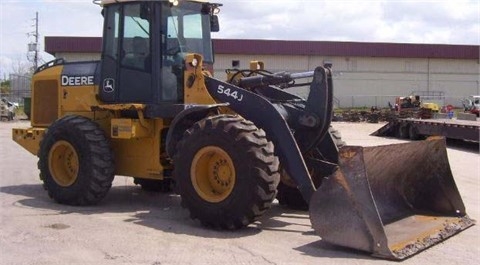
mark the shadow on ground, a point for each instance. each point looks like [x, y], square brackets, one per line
[162, 211]
[460, 145]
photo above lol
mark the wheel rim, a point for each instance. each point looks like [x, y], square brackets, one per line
[63, 163]
[212, 174]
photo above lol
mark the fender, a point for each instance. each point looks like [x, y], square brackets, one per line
[184, 120]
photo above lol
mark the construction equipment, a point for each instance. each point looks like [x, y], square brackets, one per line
[409, 102]
[413, 103]
[151, 110]
[431, 106]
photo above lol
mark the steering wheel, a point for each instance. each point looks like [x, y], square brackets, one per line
[177, 49]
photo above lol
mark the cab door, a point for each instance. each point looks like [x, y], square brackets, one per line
[126, 71]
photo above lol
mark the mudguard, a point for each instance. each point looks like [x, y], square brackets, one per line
[184, 120]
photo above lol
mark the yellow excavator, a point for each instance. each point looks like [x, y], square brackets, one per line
[151, 109]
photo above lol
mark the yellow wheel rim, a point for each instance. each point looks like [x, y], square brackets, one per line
[63, 163]
[212, 174]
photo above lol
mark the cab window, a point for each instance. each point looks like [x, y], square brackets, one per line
[136, 37]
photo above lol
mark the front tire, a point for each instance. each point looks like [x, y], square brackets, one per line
[226, 172]
[75, 161]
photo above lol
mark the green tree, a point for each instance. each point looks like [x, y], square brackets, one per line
[5, 87]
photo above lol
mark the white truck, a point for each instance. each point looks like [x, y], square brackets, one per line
[7, 109]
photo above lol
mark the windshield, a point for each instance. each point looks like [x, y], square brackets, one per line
[188, 30]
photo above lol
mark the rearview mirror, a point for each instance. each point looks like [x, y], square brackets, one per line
[214, 24]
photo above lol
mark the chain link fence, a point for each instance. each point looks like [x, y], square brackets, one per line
[19, 89]
[384, 101]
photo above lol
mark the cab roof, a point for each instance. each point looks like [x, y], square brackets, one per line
[107, 2]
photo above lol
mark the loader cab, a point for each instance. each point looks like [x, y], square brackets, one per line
[144, 46]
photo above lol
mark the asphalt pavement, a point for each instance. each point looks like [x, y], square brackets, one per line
[132, 226]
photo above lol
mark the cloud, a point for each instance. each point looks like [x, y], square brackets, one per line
[448, 22]
[5, 68]
[56, 18]
[452, 22]
[403, 21]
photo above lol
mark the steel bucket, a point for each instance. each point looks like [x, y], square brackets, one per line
[392, 201]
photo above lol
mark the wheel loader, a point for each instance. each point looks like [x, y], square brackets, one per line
[151, 109]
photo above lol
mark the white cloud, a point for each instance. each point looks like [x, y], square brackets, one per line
[5, 68]
[440, 21]
[411, 21]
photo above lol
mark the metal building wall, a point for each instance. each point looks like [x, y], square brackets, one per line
[76, 56]
[363, 81]
[374, 81]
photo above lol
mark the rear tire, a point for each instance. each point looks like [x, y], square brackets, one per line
[75, 161]
[291, 197]
[154, 185]
[226, 172]
[288, 194]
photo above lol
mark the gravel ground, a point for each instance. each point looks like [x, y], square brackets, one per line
[131, 226]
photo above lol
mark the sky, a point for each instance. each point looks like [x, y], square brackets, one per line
[398, 21]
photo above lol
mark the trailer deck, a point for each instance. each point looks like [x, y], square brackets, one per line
[418, 128]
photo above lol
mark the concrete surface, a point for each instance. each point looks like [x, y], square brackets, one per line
[131, 226]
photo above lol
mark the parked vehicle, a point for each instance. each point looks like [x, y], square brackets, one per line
[472, 105]
[7, 109]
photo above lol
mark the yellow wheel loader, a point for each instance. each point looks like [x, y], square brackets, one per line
[150, 109]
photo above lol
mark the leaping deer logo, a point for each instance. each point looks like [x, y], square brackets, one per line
[108, 85]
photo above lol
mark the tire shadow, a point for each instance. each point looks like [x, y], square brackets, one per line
[160, 211]
[163, 212]
[466, 146]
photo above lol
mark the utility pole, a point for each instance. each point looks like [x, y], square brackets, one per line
[33, 46]
[35, 60]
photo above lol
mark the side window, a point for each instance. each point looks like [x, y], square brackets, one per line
[193, 26]
[172, 27]
[136, 37]
[113, 20]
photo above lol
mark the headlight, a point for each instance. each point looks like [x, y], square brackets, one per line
[194, 62]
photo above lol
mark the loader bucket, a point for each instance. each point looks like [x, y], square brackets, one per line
[392, 201]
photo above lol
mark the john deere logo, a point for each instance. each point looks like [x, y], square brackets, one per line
[77, 80]
[108, 85]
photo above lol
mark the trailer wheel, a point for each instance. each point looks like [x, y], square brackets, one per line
[226, 172]
[413, 133]
[75, 161]
[403, 131]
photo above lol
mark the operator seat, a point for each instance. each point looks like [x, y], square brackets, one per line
[139, 52]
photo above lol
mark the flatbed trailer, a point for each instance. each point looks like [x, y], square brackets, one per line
[416, 129]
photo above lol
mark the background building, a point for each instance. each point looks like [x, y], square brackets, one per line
[365, 74]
